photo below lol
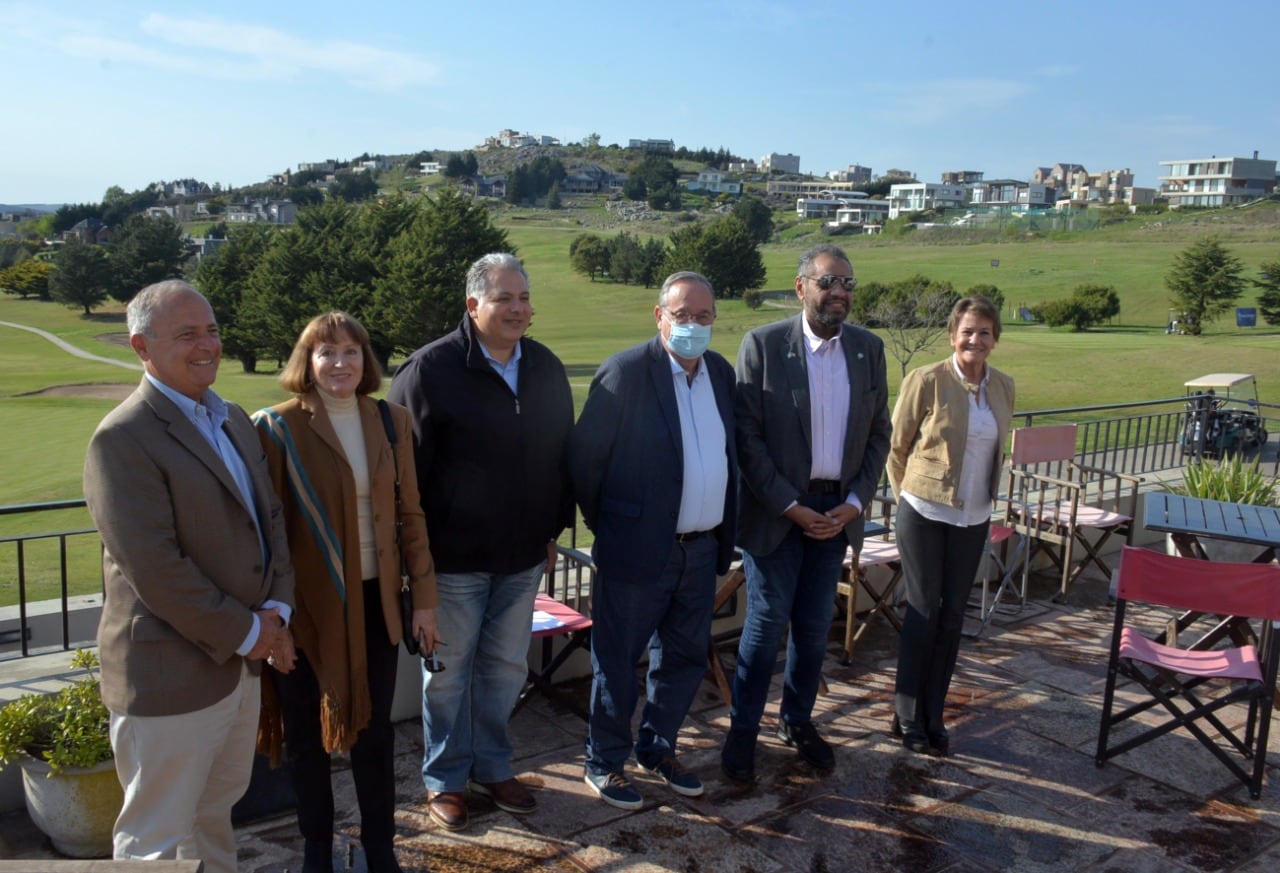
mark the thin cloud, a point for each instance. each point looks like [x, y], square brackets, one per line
[928, 103]
[268, 49]
[113, 52]
[218, 49]
[1058, 71]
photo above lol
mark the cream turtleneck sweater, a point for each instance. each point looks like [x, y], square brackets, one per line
[344, 415]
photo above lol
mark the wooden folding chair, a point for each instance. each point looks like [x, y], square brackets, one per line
[726, 590]
[1061, 504]
[878, 551]
[562, 610]
[1195, 686]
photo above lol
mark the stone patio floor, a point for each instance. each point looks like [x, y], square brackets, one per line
[1019, 791]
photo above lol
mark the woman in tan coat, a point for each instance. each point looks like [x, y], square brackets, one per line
[949, 430]
[334, 470]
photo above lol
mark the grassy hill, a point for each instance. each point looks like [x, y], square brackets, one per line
[50, 401]
[585, 321]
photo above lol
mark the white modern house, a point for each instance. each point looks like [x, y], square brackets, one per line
[865, 213]
[1215, 181]
[854, 173]
[825, 203]
[1012, 194]
[781, 163]
[714, 182]
[653, 145]
[915, 196]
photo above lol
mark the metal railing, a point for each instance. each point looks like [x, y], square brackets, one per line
[21, 543]
[1166, 435]
[1135, 438]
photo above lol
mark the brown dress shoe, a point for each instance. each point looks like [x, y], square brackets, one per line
[448, 809]
[509, 794]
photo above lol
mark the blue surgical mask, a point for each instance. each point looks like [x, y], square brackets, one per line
[690, 340]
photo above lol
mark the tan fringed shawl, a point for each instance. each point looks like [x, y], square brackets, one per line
[328, 624]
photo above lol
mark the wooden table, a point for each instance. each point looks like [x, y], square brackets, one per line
[1186, 519]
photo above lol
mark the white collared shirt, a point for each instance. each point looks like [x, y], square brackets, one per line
[828, 404]
[705, 477]
[973, 491]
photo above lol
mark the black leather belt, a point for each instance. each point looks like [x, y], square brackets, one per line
[823, 486]
[691, 536]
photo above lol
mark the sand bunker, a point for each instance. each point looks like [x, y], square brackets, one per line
[97, 392]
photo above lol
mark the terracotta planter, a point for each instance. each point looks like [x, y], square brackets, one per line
[76, 808]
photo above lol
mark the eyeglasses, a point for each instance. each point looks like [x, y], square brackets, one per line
[825, 282]
[703, 318]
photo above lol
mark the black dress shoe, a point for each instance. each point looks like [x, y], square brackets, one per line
[738, 757]
[317, 856]
[939, 742]
[915, 740]
[380, 859]
[812, 748]
[912, 737]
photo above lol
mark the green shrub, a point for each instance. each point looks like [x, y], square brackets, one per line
[68, 729]
[1229, 480]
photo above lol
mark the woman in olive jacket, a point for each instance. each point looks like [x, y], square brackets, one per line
[949, 430]
[335, 471]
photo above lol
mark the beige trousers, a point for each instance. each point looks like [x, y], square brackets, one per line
[181, 775]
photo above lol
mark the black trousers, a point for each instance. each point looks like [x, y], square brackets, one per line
[372, 756]
[939, 562]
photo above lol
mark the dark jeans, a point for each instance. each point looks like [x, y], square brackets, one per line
[796, 584]
[372, 756]
[939, 562]
[671, 615]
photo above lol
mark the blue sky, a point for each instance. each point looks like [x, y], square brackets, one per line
[126, 93]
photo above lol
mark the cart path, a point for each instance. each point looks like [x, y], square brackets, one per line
[68, 347]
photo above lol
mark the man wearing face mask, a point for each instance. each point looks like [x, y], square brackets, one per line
[654, 470]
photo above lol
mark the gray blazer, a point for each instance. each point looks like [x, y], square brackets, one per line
[772, 415]
[181, 563]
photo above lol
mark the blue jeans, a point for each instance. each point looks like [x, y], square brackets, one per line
[795, 583]
[672, 616]
[484, 620]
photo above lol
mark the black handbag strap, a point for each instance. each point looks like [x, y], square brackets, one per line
[390, 427]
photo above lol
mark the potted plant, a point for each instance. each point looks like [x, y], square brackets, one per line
[1230, 480]
[62, 743]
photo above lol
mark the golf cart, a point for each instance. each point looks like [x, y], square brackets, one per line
[1213, 427]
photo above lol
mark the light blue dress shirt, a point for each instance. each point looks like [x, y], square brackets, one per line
[706, 464]
[208, 416]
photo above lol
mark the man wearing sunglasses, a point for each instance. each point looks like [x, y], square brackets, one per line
[812, 420]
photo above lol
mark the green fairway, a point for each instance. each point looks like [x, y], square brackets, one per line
[43, 436]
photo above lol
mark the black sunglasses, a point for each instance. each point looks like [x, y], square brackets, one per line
[430, 660]
[825, 282]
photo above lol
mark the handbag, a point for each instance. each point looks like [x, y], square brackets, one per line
[406, 596]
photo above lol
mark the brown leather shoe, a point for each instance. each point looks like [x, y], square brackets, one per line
[509, 794]
[448, 809]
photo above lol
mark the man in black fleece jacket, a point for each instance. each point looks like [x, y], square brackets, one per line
[492, 413]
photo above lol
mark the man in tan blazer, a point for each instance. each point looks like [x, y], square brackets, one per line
[198, 584]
